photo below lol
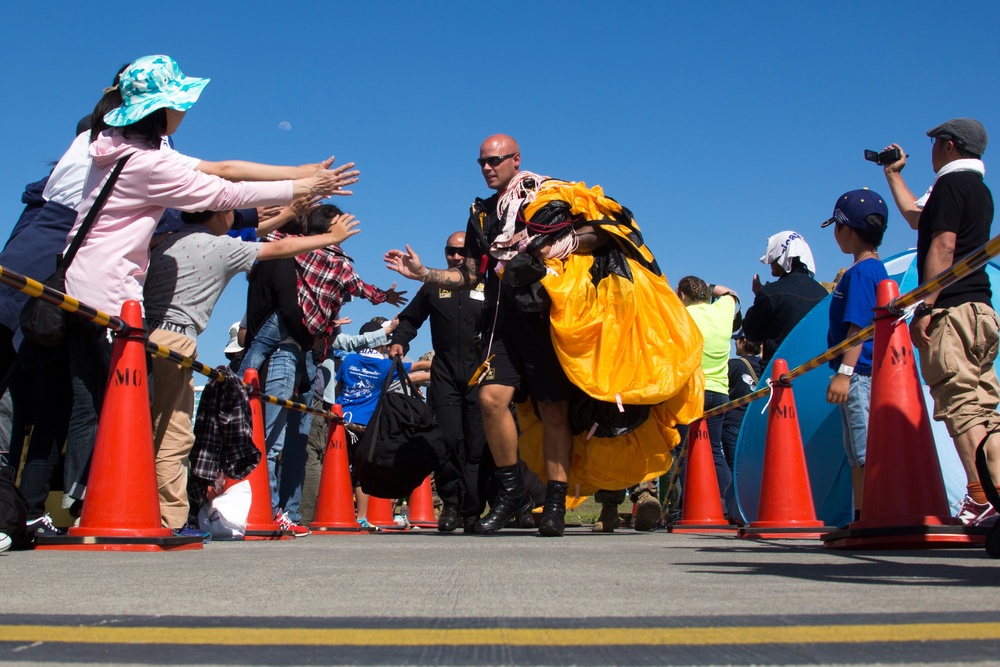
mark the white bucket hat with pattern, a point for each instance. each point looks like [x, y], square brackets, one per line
[151, 83]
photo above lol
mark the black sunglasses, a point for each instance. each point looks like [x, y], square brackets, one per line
[494, 160]
[454, 250]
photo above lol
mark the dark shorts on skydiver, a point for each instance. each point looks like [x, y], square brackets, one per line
[525, 359]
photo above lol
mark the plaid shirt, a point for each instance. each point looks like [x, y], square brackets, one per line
[223, 437]
[324, 277]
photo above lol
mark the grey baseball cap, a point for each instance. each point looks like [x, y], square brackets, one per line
[967, 133]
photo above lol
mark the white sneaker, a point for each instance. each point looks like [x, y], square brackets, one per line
[5, 542]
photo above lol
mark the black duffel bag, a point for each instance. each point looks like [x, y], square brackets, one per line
[402, 443]
[13, 510]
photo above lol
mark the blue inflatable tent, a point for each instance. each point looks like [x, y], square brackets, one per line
[829, 474]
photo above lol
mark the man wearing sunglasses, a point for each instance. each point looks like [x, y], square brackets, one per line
[455, 317]
[956, 329]
[517, 346]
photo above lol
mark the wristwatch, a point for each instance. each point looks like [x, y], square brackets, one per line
[845, 370]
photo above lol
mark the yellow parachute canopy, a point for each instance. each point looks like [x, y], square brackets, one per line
[604, 463]
[622, 335]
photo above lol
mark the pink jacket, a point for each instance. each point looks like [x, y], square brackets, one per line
[110, 267]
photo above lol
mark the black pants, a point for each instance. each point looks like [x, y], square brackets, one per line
[468, 465]
[42, 399]
[89, 365]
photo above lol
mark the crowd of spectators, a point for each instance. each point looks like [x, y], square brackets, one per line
[175, 230]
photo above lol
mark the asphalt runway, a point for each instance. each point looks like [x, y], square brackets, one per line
[422, 598]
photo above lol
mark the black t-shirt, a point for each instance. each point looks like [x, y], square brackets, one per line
[961, 203]
[273, 287]
[484, 226]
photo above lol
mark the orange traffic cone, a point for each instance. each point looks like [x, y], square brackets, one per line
[904, 503]
[260, 521]
[702, 511]
[335, 504]
[422, 506]
[380, 514]
[786, 507]
[121, 511]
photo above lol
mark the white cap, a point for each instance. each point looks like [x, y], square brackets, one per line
[234, 343]
[785, 246]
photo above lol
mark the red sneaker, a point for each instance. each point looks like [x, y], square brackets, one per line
[975, 514]
[285, 523]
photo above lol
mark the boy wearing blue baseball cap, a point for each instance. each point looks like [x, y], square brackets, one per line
[859, 219]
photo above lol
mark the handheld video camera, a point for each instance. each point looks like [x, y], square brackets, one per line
[888, 156]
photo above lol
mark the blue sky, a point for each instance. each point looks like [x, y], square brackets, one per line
[717, 124]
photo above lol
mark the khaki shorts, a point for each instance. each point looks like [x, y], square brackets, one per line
[958, 366]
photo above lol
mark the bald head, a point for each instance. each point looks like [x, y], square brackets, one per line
[499, 144]
[454, 250]
[499, 172]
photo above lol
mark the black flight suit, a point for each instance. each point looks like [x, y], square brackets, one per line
[456, 323]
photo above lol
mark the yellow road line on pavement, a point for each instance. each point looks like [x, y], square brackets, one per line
[689, 636]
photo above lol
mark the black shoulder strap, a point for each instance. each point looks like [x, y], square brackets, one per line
[95, 210]
[397, 366]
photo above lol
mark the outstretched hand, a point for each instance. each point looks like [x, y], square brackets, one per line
[756, 285]
[302, 205]
[265, 213]
[328, 182]
[342, 227]
[395, 298]
[407, 264]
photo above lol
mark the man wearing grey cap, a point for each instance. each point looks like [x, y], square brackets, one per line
[956, 329]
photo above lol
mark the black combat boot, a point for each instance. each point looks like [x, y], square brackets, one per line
[553, 523]
[511, 501]
[449, 519]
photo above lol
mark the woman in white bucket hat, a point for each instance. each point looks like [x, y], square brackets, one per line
[110, 266]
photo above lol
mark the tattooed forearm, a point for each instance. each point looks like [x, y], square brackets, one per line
[452, 279]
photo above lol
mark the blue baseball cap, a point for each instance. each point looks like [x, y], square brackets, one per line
[853, 207]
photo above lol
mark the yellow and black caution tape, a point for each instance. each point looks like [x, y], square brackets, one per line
[163, 352]
[971, 262]
[33, 288]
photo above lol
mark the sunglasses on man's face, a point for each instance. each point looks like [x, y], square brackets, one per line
[454, 250]
[494, 160]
